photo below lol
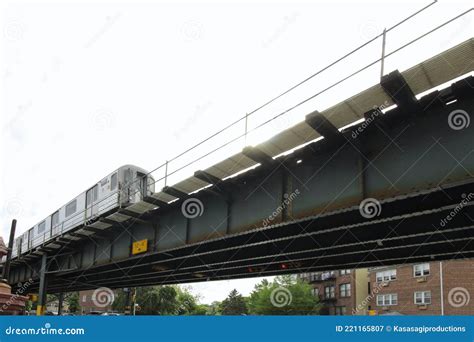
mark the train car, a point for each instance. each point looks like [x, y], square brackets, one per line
[121, 188]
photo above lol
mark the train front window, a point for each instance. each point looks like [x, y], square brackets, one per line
[127, 177]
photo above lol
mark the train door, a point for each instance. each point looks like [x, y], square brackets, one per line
[127, 189]
[55, 226]
[142, 184]
[31, 234]
[92, 196]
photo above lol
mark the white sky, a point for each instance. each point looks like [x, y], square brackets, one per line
[89, 86]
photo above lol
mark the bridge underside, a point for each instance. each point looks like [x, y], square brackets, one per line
[300, 212]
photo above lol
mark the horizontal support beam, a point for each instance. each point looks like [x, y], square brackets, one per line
[174, 192]
[395, 85]
[258, 156]
[207, 177]
[323, 126]
[155, 201]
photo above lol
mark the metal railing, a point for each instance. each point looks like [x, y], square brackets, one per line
[166, 166]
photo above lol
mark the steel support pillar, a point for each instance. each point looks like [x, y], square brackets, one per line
[42, 287]
[60, 303]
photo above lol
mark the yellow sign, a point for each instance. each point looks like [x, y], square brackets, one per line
[140, 246]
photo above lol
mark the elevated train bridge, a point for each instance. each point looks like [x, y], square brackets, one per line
[397, 187]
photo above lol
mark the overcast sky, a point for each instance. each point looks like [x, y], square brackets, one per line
[90, 86]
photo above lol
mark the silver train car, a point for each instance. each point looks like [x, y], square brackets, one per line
[121, 188]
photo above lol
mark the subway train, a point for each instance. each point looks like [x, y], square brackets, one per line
[121, 188]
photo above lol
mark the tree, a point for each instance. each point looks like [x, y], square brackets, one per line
[214, 309]
[161, 300]
[286, 295]
[187, 303]
[73, 302]
[200, 310]
[234, 304]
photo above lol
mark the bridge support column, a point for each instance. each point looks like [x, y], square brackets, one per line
[42, 287]
[60, 303]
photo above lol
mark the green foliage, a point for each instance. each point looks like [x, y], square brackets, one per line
[214, 309]
[51, 298]
[200, 310]
[73, 302]
[161, 300]
[234, 304]
[286, 295]
[28, 305]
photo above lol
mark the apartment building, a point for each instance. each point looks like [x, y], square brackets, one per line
[341, 292]
[430, 288]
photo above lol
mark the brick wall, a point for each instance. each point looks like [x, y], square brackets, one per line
[458, 276]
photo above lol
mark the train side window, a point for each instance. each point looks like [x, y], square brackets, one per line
[113, 181]
[41, 227]
[95, 193]
[71, 208]
[55, 219]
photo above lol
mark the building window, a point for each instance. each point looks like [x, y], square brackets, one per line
[340, 310]
[421, 270]
[84, 298]
[328, 275]
[387, 299]
[423, 297]
[113, 181]
[71, 208]
[386, 275]
[315, 291]
[329, 292]
[345, 290]
[344, 272]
